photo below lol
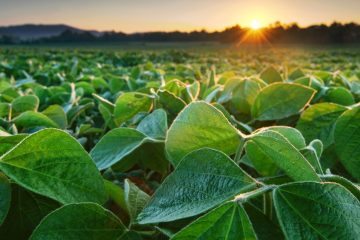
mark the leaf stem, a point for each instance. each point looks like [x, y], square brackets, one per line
[268, 205]
[243, 197]
[239, 150]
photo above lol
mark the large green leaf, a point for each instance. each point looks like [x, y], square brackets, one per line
[52, 163]
[227, 222]
[277, 149]
[200, 125]
[310, 210]
[115, 145]
[318, 122]
[204, 179]
[80, 221]
[129, 104]
[347, 140]
[281, 100]
[5, 197]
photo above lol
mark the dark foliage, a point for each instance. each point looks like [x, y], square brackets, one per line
[336, 33]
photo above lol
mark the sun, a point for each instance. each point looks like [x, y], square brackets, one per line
[255, 24]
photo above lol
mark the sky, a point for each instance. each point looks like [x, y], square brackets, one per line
[168, 15]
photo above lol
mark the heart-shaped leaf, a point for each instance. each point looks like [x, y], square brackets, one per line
[200, 125]
[115, 145]
[277, 149]
[271, 75]
[154, 125]
[204, 179]
[281, 100]
[129, 104]
[52, 163]
[318, 122]
[310, 210]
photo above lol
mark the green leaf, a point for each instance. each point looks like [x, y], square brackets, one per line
[291, 134]
[154, 125]
[149, 155]
[129, 104]
[200, 125]
[263, 164]
[275, 148]
[4, 109]
[296, 74]
[76, 111]
[5, 197]
[244, 94]
[310, 210]
[115, 145]
[8, 142]
[25, 103]
[170, 102]
[204, 179]
[339, 95]
[347, 140]
[228, 221]
[80, 221]
[52, 163]
[312, 153]
[271, 75]
[135, 199]
[314, 83]
[318, 122]
[116, 193]
[350, 186]
[281, 100]
[264, 227]
[34, 119]
[57, 114]
[26, 211]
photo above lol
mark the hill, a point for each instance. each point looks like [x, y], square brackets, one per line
[36, 31]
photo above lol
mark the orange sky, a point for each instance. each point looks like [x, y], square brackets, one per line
[185, 15]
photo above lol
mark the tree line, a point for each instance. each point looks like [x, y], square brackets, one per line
[277, 33]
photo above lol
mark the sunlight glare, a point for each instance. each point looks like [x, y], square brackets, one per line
[255, 25]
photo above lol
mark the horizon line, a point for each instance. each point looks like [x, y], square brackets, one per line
[188, 31]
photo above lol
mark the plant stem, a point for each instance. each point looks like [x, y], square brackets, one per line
[268, 205]
[243, 197]
[239, 150]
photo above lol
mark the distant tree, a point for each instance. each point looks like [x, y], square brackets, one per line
[336, 33]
